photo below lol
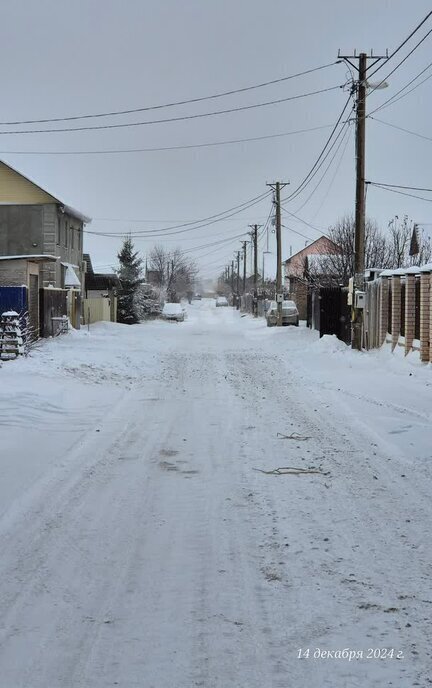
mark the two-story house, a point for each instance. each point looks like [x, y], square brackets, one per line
[34, 222]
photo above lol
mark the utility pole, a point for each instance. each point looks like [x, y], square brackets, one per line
[277, 186]
[244, 266]
[254, 235]
[232, 276]
[360, 201]
[238, 280]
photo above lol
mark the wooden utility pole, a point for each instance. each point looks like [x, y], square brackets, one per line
[277, 186]
[244, 266]
[360, 201]
[238, 280]
[254, 235]
[359, 244]
[232, 276]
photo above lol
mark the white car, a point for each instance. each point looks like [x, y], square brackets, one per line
[173, 311]
[221, 301]
[290, 314]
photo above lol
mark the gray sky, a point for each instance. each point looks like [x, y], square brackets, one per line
[61, 59]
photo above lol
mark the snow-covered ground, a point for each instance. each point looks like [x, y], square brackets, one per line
[140, 547]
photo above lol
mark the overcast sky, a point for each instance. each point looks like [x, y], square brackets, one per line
[62, 58]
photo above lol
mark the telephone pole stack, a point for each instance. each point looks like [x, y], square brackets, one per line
[254, 235]
[360, 202]
[244, 266]
[238, 280]
[277, 186]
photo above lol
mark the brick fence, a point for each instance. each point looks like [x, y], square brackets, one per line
[400, 302]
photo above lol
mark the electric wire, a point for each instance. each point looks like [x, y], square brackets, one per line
[115, 113]
[330, 186]
[404, 42]
[395, 99]
[399, 63]
[172, 119]
[168, 148]
[402, 193]
[314, 167]
[158, 233]
[239, 208]
[346, 130]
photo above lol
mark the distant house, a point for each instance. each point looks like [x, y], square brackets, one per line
[312, 258]
[98, 284]
[34, 222]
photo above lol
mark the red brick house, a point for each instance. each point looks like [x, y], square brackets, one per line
[296, 268]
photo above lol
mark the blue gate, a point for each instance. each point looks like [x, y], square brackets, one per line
[13, 299]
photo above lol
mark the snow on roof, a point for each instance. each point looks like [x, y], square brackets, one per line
[71, 278]
[33, 257]
[426, 268]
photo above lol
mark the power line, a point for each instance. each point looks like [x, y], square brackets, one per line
[166, 231]
[333, 177]
[315, 167]
[173, 119]
[399, 186]
[345, 128]
[115, 113]
[191, 222]
[394, 99]
[308, 224]
[400, 63]
[407, 131]
[404, 42]
[168, 148]
[402, 193]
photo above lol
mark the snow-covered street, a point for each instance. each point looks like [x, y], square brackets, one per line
[142, 548]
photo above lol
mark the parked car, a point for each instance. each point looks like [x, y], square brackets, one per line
[290, 314]
[173, 311]
[184, 309]
[221, 301]
[197, 297]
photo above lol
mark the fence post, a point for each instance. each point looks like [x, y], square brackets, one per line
[396, 310]
[424, 316]
[383, 310]
[409, 312]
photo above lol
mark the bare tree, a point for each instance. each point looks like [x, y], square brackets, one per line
[175, 273]
[400, 234]
[337, 266]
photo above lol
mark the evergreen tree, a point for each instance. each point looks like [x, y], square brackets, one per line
[130, 276]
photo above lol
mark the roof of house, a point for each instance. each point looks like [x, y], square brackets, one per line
[32, 258]
[101, 282]
[321, 238]
[67, 208]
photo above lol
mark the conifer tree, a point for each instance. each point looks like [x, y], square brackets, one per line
[130, 276]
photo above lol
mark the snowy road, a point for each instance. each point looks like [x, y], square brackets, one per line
[141, 548]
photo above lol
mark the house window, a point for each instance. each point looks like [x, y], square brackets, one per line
[66, 234]
[80, 240]
[72, 232]
[58, 237]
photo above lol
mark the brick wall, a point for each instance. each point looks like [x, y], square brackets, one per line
[409, 312]
[396, 309]
[425, 296]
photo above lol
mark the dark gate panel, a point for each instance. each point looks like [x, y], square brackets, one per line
[52, 305]
[330, 313]
[33, 306]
